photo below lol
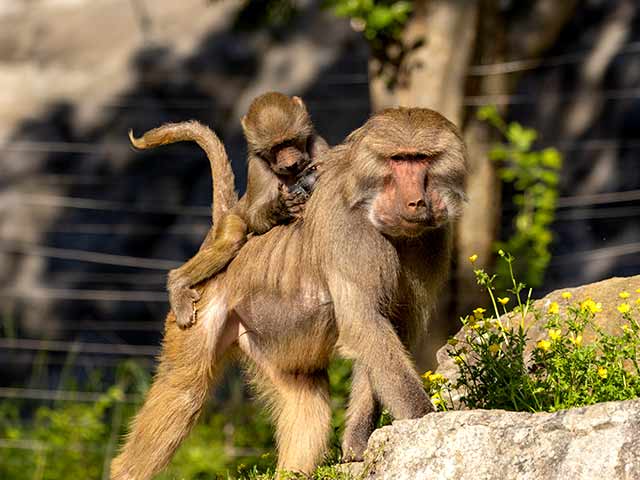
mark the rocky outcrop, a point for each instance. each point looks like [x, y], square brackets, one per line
[596, 442]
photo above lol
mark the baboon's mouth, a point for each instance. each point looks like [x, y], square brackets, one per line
[418, 220]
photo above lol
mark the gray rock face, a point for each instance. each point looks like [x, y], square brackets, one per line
[596, 442]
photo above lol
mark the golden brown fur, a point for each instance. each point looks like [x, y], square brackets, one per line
[281, 142]
[351, 290]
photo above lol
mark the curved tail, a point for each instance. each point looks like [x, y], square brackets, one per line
[224, 193]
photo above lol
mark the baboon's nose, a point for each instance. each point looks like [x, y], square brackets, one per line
[416, 205]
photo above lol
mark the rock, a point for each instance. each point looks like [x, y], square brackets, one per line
[609, 319]
[596, 442]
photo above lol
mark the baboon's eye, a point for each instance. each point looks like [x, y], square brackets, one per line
[409, 157]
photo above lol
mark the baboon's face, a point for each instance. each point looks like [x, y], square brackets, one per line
[289, 158]
[416, 162]
[406, 205]
[278, 130]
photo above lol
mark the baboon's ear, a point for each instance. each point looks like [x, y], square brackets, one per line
[243, 122]
[298, 101]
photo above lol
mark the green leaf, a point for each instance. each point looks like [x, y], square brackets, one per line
[401, 9]
[498, 153]
[507, 175]
[551, 158]
[521, 137]
[380, 18]
[549, 177]
[487, 112]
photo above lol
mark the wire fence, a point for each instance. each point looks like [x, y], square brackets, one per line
[151, 271]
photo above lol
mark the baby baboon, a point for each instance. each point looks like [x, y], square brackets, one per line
[359, 277]
[281, 142]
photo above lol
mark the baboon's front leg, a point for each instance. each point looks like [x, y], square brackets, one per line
[362, 416]
[373, 342]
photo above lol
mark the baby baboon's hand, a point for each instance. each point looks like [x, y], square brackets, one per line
[294, 200]
[182, 300]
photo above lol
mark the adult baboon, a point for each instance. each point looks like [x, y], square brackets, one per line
[358, 276]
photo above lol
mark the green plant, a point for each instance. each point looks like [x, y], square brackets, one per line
[382, 23]
[498, 367]
[64, 442]
[340, 386]
[533, 175]
[379, 21]
[234, 439]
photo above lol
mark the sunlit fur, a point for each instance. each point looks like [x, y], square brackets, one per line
[328, 284]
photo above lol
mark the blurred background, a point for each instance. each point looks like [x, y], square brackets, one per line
[547, 94]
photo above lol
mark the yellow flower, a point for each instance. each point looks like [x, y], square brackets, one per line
[577, 340]
[479, 313]
[503, 300]
[494, 348]
[638, 301]
[473, 258]
[590, 306]
[637, 290]
[459, 359]
[554, 308]
[555, 334]
[433, 377]
[626, 328]
[602, 372]
[624, 295]
[544, 345]
[624, 308]
[567, 295]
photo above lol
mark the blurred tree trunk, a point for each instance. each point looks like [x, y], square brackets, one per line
[451, 35]
[434, 74]
[480, 224]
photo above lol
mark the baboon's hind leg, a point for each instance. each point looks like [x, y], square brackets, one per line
[303, 419]
[172, 405]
